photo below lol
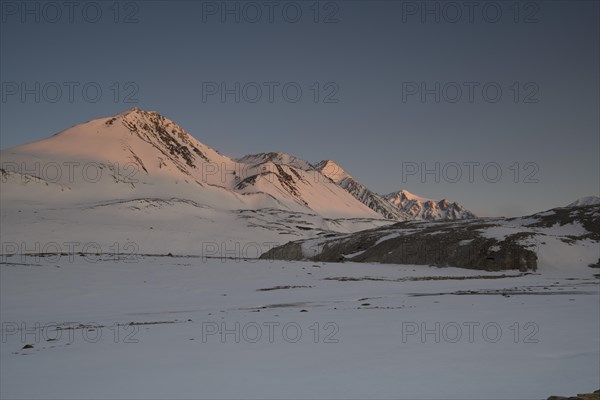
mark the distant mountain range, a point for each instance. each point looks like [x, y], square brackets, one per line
[399, 206]
[139, 178]
[144, 154]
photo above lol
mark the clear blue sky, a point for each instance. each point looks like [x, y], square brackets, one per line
[375, 55]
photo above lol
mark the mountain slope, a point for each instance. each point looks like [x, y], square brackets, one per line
[296, 180]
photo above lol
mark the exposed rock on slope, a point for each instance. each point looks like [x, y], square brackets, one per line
[488, 244]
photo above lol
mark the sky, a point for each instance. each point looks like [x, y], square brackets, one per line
[493, 104]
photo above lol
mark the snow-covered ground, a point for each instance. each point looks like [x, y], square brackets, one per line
[161, 226]
[344, 331]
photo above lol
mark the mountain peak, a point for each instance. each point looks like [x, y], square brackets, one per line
[585, 201]
[404, 194]
[421, 208]
[136, 111]
[153, 127]
[401, 205]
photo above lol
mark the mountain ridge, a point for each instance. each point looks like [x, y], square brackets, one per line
[164, 156]
[162, 153]
[399, 206]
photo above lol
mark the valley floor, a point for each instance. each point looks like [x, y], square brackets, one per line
[184, 327]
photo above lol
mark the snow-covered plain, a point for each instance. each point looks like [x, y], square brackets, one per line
[360, 334]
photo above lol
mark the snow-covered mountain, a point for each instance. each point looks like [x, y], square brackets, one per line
[419, 208]
[399, 206]
[371, 199]
[139, 177]
[585, 201]
[139, 154]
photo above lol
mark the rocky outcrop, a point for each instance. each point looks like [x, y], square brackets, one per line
[484, 243]
[582, 396]
[443, 245]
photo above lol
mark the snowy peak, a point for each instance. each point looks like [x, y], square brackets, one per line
[165, 136]
[144, 138]
[162, 159]
[585, 201]
[404, 195]
[359, 191]
[400, 206]
[129, 155]
[420, 208]
[295, 180]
